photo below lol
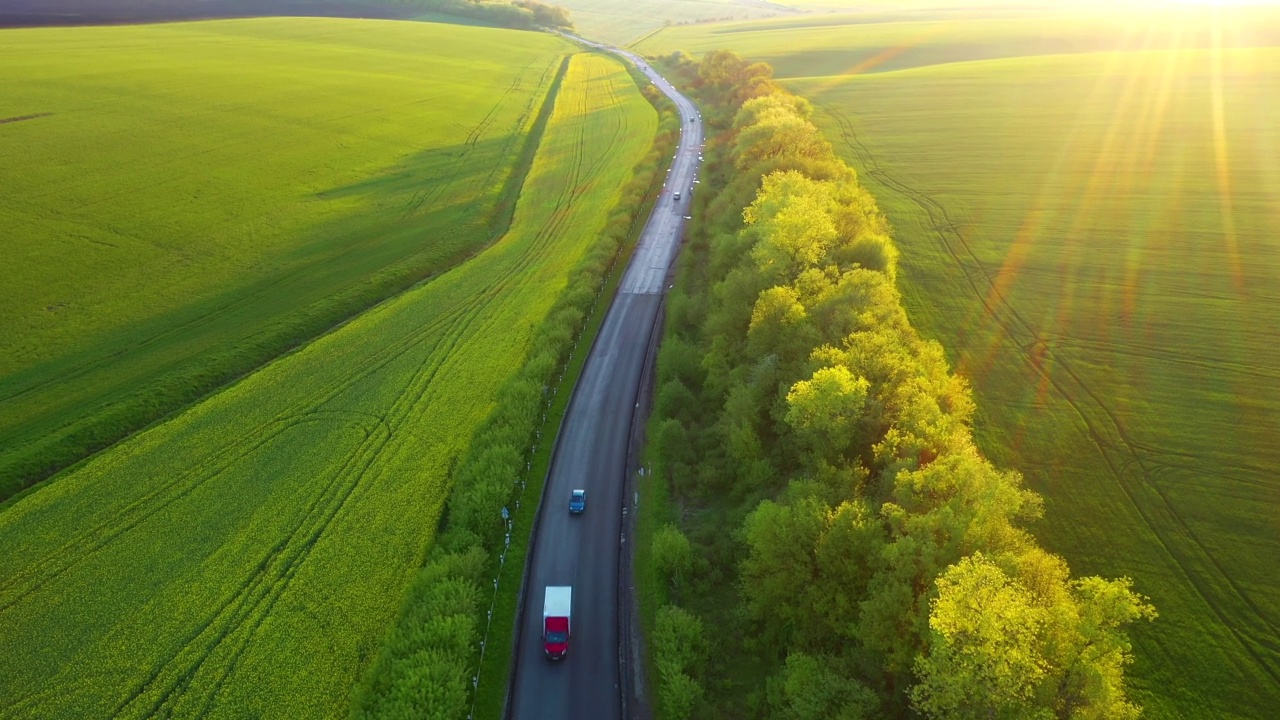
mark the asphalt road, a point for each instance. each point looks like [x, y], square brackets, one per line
[583, 550]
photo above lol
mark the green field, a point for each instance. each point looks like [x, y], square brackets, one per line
[246, 557]
[1087, 212]
[623, 21]
[186, 201]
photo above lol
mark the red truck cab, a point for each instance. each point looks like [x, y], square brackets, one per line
[556, 637]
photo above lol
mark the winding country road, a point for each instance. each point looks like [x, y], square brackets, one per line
[591, 453]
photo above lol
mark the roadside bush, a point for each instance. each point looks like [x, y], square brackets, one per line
[672, 555]
[810, 688]
[679, 638]
[680, 653]
[678, 695]
[422, 670]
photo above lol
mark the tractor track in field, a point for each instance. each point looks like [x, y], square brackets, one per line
[432, 194]
[1108, 437]
[21, 118]
[1165, 355]
[228, 629]
[552, 76]
[517, 273]
[245, 612]
[215, 463]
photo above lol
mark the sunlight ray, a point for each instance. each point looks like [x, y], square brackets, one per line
[867, 64]
[1052, 195]
[1221, 160]
[1049, 198]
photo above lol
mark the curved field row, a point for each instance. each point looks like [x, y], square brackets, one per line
[246, 557]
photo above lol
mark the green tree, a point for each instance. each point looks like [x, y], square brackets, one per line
[808, 688]
[823, 410]
[1047, 648]
[779, 325]
[680, 650]
[791, 222]
[752, 111]
[845, 558]
[678, 694]
[678, 639]
[547, 15]
[779, 135]
[672, 555]
[1093, 649]
[779, 565]
[675, 400]
[983, 659]
[808, 567]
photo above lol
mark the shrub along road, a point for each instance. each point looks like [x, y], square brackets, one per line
[591, 453]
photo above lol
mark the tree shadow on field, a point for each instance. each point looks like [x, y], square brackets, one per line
[412, 221]
[406, 176]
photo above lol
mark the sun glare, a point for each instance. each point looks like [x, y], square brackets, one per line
[1210, 3]
[1155, 5]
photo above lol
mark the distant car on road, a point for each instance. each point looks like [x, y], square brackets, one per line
[677, 196]
[577, 502]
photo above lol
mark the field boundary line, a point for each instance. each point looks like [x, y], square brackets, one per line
[647, 36]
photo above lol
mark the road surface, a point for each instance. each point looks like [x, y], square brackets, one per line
[583, 550]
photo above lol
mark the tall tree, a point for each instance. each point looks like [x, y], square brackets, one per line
[824, 410]
[998, 648]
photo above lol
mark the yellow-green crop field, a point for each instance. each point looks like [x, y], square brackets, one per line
[622, 21]
[183, 202]
[246, 557]
[1089, 213]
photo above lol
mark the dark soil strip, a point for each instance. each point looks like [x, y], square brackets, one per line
[20, 118]
[505, 209]
[38, 13]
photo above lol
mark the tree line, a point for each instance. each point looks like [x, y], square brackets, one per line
[519, 14]
[833, 518]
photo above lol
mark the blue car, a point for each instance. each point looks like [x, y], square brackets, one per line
[578, 502]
